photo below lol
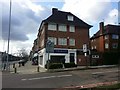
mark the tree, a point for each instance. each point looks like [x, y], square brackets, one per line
[23, 55]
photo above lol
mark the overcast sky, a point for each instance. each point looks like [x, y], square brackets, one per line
[28, 14]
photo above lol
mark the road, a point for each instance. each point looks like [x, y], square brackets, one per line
[59, 79]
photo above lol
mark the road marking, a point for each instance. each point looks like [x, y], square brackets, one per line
[46, 77]
[24, 79]
[105, 72]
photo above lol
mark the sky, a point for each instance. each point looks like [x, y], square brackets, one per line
[26, 17]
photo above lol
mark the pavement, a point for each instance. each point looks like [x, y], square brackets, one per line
[28, 68]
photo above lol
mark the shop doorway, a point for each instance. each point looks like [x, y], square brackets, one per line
[72, 57]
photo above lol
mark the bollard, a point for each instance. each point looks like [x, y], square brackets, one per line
[38, 69]
[13, 65]
[15, 70]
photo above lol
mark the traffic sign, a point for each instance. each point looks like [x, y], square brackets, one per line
[84, 47]
[49, 46]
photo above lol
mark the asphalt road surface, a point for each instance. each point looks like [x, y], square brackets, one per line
[59, 79]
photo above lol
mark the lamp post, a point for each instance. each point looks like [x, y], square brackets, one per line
[7, 62]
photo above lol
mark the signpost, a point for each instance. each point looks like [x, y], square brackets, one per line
[49, 49]
[49, 46]
[85, 53]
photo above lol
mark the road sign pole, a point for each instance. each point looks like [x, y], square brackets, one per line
[49, 48]
[48, 61]
[85, 53]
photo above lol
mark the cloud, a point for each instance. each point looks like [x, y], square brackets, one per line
[25, 19]
[89, 11]
[112, 17]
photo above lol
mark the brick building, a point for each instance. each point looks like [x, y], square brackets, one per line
[107, 39]
[68, 33]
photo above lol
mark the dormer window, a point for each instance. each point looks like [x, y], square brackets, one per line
[70, 18]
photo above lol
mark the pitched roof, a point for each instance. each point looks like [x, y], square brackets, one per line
[108, 29]
[61, 17]
[112, 29]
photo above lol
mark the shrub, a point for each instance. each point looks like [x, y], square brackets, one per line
[69, 65]
[46, 66]
[111, 58]
[54, 65]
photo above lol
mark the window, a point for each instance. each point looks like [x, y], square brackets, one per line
[106, 36]
[92, 47]
[106, 45]
[62, 41]
[95, 56]
[52, 27]
[95, 47]
[70, 18]
[115, 36]
[42, 42]
[62, 28]
[72, 29]
[92, 40]
[72, 42]
[43, 29]
[52, 39]
[115, 45]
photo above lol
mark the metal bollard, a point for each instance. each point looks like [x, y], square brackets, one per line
[15, 70]
[38, 69]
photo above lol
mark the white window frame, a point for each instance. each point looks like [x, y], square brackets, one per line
[62, 41]
[42, 42]
[52, 27]
[115, 36]
[106, 45]
[70, 18]
[71, 28]
[106, 37]
[72, 42]
[95, 47]
[62, 28]
[53, 39]
[95, 56]
[92, 48]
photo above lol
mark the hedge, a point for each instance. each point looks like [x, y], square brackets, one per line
[69, 65]
[54, 65]
[110, 58]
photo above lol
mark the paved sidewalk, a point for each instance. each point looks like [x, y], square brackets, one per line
[82, 68]
[33, 69]
[28, 68]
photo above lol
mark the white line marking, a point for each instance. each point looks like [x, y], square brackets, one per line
[64, 76]
[46, 77]
[23, 79]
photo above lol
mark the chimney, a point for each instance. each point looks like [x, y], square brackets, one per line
[54, 10]
[101, 25]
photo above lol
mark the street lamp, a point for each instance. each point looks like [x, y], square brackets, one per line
[7, 63]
